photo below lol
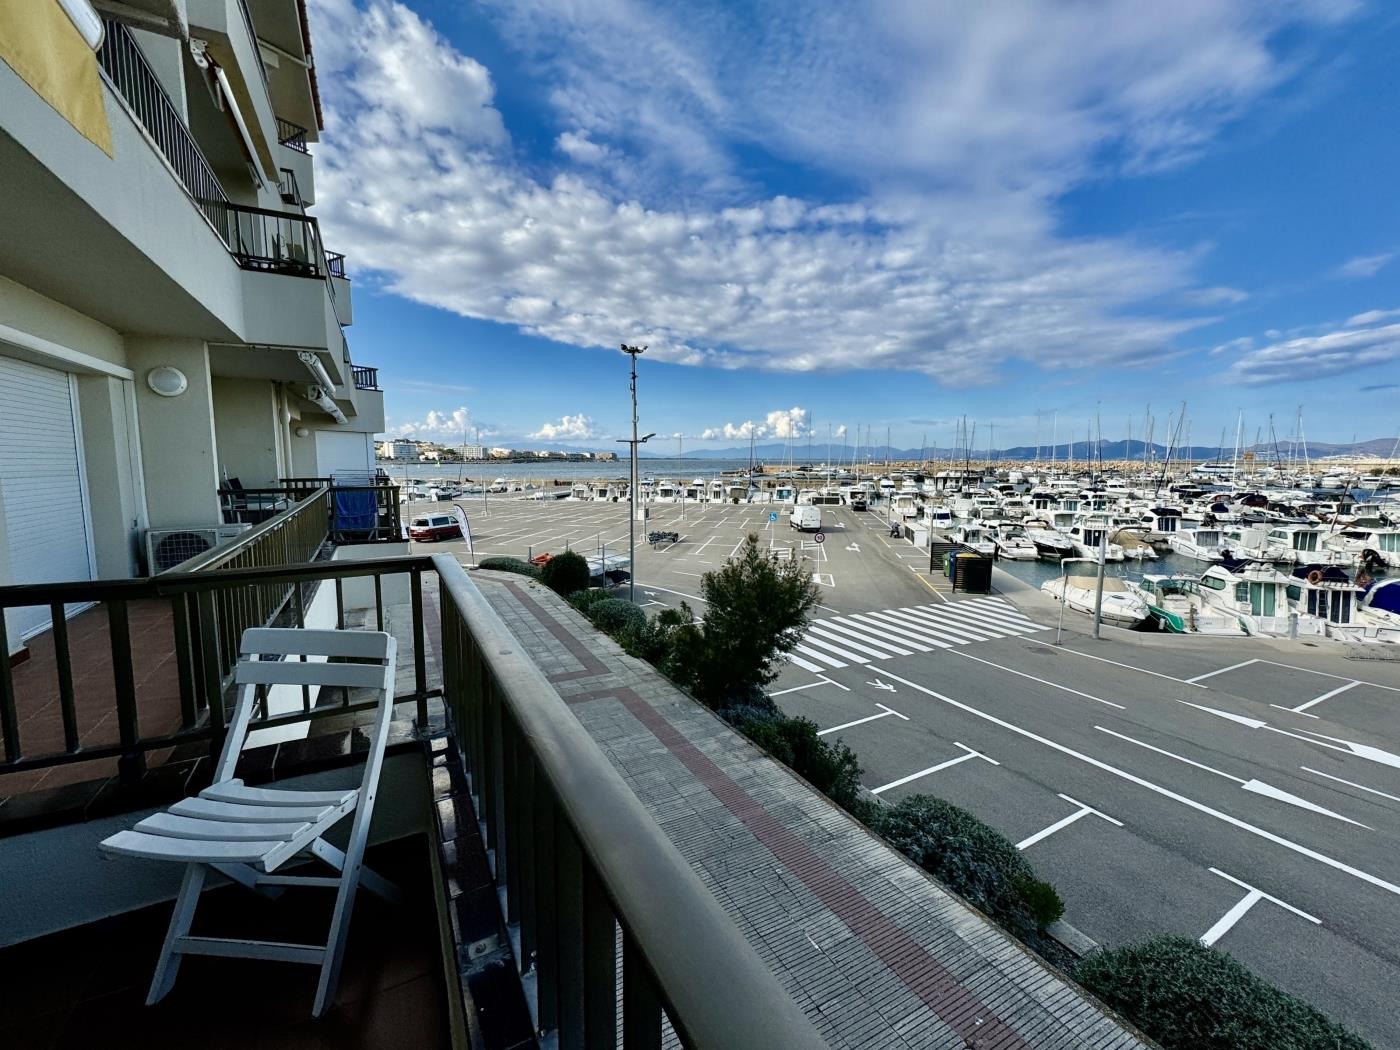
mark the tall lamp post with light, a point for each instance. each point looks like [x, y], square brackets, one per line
[633, 352]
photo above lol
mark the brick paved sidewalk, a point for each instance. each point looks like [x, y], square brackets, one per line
[874, 951]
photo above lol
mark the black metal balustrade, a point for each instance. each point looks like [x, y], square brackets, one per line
[365, 378]
[288, 189]
[241, 504]
[258, 239]
[578, 857]
[293, 136]
[135, 81]
[335, 264]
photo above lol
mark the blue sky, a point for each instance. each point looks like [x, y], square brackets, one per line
[887, 214]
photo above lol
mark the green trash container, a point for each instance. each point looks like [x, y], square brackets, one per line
[949, 563]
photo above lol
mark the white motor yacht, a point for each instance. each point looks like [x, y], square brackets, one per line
[1181, 608]
[1013, 544]
[1077, 587]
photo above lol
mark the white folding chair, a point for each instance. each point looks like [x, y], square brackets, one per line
[249, 833]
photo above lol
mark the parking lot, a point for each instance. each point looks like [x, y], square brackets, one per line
[1243, 791]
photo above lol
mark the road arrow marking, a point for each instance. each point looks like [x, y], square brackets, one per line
[1257, 787]
[1253, 723]
[1366, 751]
[881, 685]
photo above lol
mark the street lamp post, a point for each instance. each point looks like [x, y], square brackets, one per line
[633, 352]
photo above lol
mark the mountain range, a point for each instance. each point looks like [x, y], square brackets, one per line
[821, 452]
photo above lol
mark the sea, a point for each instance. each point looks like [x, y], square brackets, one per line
[563, 470]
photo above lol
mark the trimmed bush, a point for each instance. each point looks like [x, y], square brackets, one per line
[971, 858]
[651, 639]
[1185, 995]
[565, 573]
[524, 568]
[830, 768]
[615, 615]
[586, 599]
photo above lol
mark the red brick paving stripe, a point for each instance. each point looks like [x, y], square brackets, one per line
[920, 972]
[591, 664]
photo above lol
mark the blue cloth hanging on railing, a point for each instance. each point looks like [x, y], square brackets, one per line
[355, 511]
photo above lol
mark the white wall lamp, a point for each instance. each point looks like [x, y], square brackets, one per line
[302, 432]
[167, 381]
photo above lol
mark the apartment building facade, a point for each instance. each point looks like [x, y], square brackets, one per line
[169, 317]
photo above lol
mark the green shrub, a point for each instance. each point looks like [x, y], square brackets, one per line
[756, 609]
[565, 573]
[586, 599]
[650, 640]
[500, 564]
[614, 615]
[1043, 901]
[832, 769]
[1185, 995]
[971, 858]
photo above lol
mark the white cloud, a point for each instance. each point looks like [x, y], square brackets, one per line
[840, 431]
[783, 423]
[452, 425]
[1351, 348]
[671, 248]
[1364, 266]
[569, 428]
[1219, 295]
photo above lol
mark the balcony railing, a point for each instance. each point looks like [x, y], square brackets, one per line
[366, 512]
[576, 855]
[293, 136]
[335, 263]
[274, 241]
[134, 80]
[365, 378]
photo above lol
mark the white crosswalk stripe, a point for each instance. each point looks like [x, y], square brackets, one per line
[837, 641]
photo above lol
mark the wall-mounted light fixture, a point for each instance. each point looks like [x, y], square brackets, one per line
[302, 432]
[167, 381]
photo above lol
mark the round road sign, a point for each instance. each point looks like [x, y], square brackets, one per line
[819, 538]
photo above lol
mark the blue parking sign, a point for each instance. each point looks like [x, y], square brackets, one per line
[772, 515]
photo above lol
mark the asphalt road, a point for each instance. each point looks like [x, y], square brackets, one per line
[1243, 791]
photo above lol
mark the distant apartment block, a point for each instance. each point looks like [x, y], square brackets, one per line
[473, 452]
[170, 319]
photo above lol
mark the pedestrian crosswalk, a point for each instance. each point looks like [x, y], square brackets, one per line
[861, 638]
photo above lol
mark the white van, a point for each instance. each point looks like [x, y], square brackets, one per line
[806, 518]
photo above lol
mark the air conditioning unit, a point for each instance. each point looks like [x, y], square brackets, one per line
[167, 548]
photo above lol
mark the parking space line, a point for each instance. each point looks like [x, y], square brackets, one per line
[1115, 663]
[1325, 696]
[1042, 681]
[1212, 674]
[1190, 803]
[1064, 822]
[1350, 783]
[934, 769]
[1326, 674]
[1249, 900]
[885, 712]
[795, 689]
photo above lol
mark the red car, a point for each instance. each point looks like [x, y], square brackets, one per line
[435, 527]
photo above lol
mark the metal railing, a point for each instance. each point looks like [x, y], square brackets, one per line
[366, 378]
[388, 524]
[577, 855]
[335, 264]
[293, 136]
[208, 611]
[288, 189]
[134, 80]
[575, 852]
[274, 241]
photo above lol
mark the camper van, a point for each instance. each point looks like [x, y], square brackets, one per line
[806, 518]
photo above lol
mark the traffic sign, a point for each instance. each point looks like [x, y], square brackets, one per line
[772, 515]
[819, 538]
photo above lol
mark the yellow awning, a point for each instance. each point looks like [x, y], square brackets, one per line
[40, 43]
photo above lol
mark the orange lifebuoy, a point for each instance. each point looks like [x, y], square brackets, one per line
[1315, 577]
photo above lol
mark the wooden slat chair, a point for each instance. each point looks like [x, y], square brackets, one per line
[249, 833]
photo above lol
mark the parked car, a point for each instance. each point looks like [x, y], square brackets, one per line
[859, 502]
[433, 527]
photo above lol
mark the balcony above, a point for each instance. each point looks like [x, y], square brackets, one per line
[365, 378]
